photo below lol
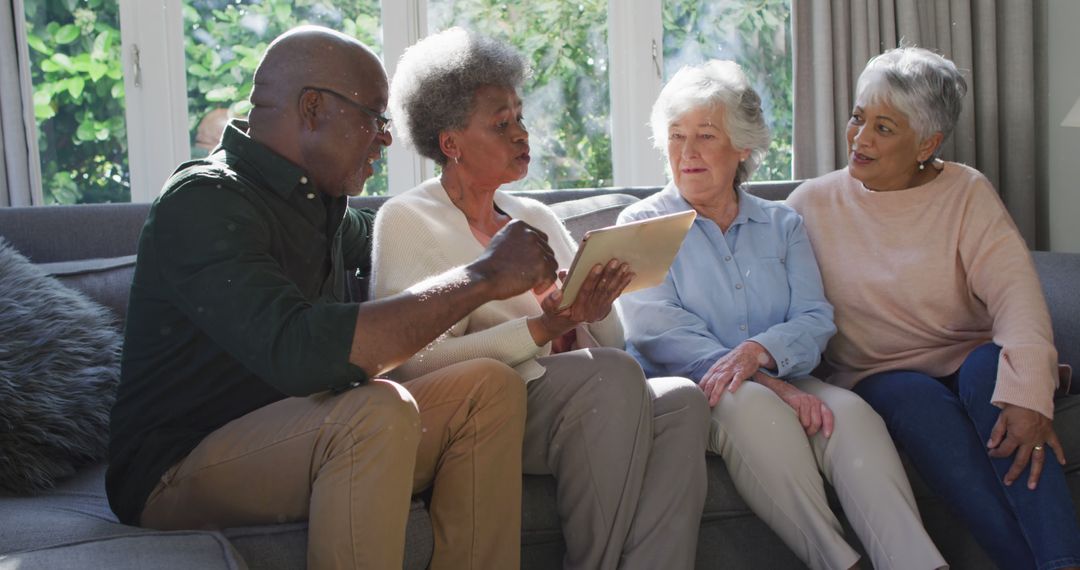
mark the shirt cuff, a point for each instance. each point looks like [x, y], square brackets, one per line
[778, 349]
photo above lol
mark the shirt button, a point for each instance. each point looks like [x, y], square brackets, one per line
[742, 327]
[311, 196]
[303, 179]
[738, 285]
[727, 258]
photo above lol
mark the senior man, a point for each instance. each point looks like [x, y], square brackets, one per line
[249, 391]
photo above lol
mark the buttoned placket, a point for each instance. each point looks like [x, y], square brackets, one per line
[724, 242]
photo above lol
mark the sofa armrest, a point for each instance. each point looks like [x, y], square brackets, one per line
[1059, 274]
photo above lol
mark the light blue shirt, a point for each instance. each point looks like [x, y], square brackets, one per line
[759, 281]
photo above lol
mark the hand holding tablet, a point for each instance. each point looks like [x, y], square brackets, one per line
[647, 246]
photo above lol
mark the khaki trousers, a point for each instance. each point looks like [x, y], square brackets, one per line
[777, 470]
[348, 463]
[627, 457]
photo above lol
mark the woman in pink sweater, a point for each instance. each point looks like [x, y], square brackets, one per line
[941, 322]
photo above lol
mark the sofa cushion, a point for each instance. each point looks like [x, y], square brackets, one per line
[83, 231]
[590, 213]
[76, 511]
[159, 550]
[284, 546]
[59, 367]
[105, 281]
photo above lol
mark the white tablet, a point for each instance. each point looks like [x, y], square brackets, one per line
[649, 246]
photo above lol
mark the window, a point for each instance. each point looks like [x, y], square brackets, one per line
[78, 95]
[224, 41]
[757, 35]
[124, 90]
[567, 108]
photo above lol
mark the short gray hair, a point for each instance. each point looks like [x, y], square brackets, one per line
[715, 84]
[433, 86]
[926, 87]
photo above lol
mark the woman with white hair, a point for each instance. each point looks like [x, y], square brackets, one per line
[625, 452]
[942, 326]
[742, 312]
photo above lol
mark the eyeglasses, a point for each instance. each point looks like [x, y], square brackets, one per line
[382, 122]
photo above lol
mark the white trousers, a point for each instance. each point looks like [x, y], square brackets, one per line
[777, 470]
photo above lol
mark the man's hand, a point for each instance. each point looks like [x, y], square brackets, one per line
[601, 287]
[1028, 434]
[730, 370]
[517, 259]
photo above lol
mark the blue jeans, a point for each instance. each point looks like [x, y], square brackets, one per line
[943, 425]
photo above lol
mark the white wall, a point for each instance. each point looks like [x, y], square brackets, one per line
[1063, 143]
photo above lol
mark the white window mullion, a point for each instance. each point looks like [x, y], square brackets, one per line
[404, 22]
[635, 42]
[155, 89]
[27, 91]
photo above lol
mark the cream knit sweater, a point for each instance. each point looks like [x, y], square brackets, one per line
[922, 276]
[421, 234]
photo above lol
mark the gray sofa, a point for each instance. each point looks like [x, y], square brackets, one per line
[91, 248]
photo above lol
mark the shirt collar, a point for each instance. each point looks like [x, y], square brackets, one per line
[750, 209]
[749, 206]
[280, 175]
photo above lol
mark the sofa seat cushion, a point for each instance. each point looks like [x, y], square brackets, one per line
[284, 546]
[159, 550]
[77, 511]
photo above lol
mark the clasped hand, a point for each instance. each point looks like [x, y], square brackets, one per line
[732, 369]
[743, 363]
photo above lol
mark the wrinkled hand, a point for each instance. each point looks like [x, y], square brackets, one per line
[1019, 430]
[601, 287]
[730, 370]
[517, 259]
[814, 415]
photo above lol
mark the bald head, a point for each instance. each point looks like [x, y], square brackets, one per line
[309, 56]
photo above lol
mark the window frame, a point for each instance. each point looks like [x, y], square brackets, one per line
[156, 96]
[155, 91]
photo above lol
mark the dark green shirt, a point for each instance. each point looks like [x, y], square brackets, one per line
[238, 301]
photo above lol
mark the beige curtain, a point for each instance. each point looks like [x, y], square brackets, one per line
[17, 173]
[996, 43]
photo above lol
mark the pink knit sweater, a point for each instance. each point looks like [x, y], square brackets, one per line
[922, 276]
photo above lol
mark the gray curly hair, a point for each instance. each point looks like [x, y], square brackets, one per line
[715, 84]
[433, 86]
[926, 87]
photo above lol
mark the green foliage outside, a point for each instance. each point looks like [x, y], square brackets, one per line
[79, 87]
[225, 39]
[757, 35]
[79, 92]
[78, 100]
[567, 107]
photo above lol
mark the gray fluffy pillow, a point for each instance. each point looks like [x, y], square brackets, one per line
[59, 367]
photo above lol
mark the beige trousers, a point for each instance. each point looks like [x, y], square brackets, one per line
[627, 457]
[348, 463]
[777, 470]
